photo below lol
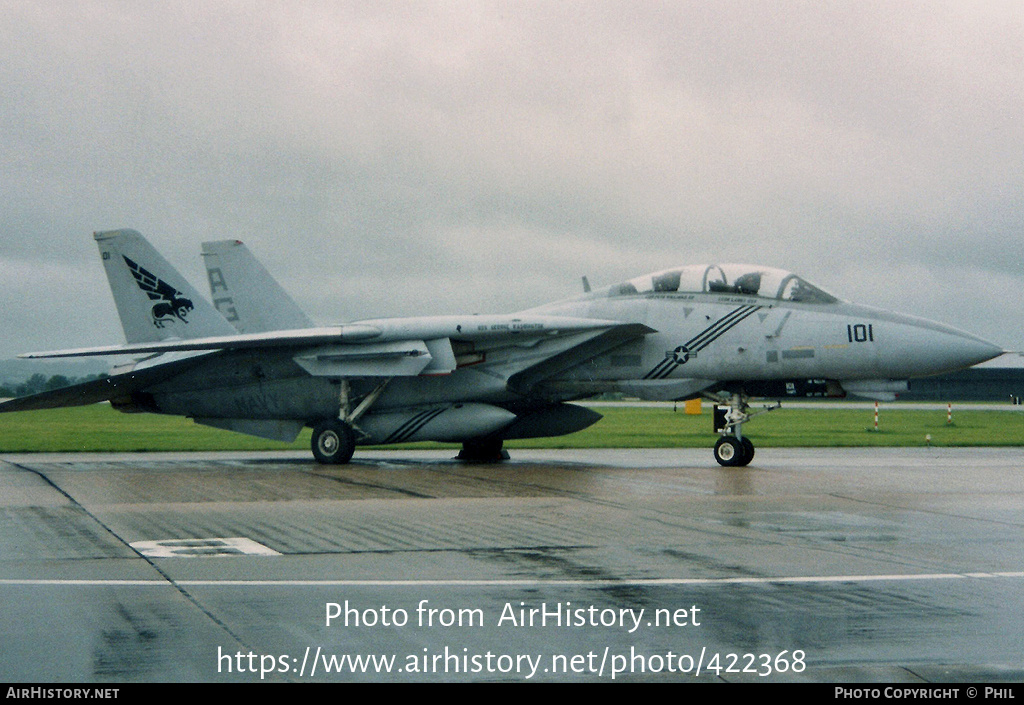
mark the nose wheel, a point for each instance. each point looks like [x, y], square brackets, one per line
[733, 449]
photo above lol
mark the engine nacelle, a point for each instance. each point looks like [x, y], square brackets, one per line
[452, 423]
[557, 420]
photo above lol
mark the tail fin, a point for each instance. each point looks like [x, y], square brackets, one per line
[154, 301]
[245, 293]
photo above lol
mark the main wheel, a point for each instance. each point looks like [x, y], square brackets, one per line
[483, 451]
[333, 442]
[729, 451]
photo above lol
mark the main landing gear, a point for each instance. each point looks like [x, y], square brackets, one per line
[482, 451]
[733, 449]
[334, 440]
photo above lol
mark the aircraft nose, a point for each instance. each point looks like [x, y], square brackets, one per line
[954, 349]
[975, 350]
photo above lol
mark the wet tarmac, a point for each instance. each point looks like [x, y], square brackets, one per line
[852, 565]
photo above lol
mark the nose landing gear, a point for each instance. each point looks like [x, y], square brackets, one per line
[733, 449]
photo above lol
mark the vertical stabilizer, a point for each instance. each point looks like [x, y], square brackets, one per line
[245, 292]
[153, 299]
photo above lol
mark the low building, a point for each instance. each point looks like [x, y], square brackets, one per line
[992, 384]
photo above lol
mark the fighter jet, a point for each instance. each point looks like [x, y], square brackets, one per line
[254, 363]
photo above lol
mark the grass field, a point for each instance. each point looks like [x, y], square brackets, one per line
[100, 428]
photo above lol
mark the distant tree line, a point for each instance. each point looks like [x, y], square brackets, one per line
[41, 383]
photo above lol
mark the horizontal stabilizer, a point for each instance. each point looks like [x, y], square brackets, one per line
[114, 387]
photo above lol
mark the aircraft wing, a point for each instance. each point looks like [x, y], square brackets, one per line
[574, 342]
[578, 353]
[409, 347]
[306, 336]
[516, 329]
[113, 387]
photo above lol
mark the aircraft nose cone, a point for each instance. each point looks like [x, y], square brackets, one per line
[977, 350]
[957, 350]
[920, 348]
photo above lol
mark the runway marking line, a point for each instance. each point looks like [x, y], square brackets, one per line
[519, 583]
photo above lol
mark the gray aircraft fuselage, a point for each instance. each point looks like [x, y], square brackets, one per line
[748, 340]
[250, 362]
[769, 347]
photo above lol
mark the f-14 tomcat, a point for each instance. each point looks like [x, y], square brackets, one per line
[253, 362]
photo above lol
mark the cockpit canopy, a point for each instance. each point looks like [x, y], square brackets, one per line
[741, 279]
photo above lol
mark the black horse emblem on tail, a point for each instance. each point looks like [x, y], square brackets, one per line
[171, 304]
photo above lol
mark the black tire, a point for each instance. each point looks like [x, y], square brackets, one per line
[748, 451]
[729, 452]
[333, 442]
[483, 451]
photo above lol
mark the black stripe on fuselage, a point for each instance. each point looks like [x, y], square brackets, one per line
[410, 427]
[700, 341]
[721, 326]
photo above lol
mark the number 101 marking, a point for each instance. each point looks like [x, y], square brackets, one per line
[860, 333]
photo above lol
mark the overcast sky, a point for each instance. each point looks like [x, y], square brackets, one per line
[417, 158]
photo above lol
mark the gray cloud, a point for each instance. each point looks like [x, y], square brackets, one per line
[398, 158]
